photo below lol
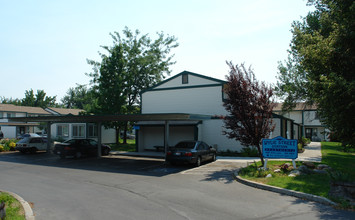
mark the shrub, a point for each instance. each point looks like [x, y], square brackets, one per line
[8, 144]
[284, 167]
[254, 171]
[338, 176]
[300, 148]
[249, 152]
[305, 141]
[2, 148]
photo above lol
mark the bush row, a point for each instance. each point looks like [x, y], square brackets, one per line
[7, 144]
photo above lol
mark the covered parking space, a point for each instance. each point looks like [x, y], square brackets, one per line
[167, 118]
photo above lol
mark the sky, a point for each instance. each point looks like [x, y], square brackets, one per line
[44, 44]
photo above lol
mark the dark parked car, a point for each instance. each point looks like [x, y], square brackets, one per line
[193, 152]
[79, 147]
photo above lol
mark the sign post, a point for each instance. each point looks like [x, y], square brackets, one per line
[280, 148]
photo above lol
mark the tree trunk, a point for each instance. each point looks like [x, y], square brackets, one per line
[125, 133]
[260, 154]
[117, 138]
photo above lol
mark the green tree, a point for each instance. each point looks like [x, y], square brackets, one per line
[134, 63]
[4, 100]
[38, 100]
[79, 97]
[320, 69]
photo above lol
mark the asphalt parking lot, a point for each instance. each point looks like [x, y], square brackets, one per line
[121, 187]
[119, 164]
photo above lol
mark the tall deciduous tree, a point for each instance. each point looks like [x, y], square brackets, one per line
[322, 57]
[38, 100]
[249, 105]
[134, 63]
[79, 97]
[4, 100]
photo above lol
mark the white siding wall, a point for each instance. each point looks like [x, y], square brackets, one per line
[289, 130]
[310, 118]
[296, 134]
[20, 114]
[108, 135]
[277, 130]
[213, 136]
[150, 137]
[154, 136]
[192, 81]
[9, 131]
[296, 116]
[204, 100]
[180, 133]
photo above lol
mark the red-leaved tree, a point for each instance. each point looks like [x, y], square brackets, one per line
[249, 104]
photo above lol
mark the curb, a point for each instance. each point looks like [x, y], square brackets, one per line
[29, 215]
[288, 192]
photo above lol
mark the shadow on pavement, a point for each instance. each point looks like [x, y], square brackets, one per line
[224, 176]
[112, 164]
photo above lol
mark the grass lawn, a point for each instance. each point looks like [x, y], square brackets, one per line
[129, 147]
[316, 184]
[14, 210]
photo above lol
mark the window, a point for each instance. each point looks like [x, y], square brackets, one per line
[185, 79]
[36, 140]
[11, 115]
[63, 130]
[224, 94]
[78, 130]
[92, 130]
[1, 115]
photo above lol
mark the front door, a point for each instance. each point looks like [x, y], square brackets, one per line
[309, 132]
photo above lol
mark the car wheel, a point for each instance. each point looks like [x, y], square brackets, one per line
[198, 161]
[33, 150]
[105, 152]
[78, 154]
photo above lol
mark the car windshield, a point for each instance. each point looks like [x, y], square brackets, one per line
[24, 140]
[70, 141]
[186, 145]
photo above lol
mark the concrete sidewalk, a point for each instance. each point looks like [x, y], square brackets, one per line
[312, 153]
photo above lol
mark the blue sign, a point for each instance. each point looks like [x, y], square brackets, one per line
[280, 148]
[136, 127]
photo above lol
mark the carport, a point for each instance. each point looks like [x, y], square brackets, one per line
[100, 119]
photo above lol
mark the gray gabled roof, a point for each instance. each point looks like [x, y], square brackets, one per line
[23, 109]
[217, 81]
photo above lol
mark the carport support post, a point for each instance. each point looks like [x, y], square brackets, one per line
[49, 137]
[99, 139]
[166, 139]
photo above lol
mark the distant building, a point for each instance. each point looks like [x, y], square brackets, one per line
[307, 117]
[58, 130]
[15, 129]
